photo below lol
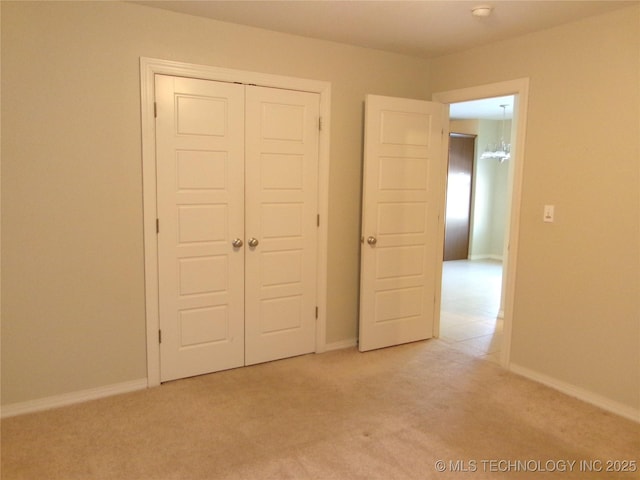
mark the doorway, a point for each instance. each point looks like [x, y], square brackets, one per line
[479, 161]
[480, 337]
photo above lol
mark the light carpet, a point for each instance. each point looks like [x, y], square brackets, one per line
[388, 414]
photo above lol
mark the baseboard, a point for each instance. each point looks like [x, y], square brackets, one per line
[56, 401]
[352, 342]
[579, 393]
[486, 257]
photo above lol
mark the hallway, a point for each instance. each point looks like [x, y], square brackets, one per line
[470, 304]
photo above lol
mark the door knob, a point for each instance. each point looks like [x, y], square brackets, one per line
[372, 240]
[237, 243]
[253, 242]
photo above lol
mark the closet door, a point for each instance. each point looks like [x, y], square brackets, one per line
[200, 189]
[281, 223]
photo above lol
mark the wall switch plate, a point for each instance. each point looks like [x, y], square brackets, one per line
[548, 213]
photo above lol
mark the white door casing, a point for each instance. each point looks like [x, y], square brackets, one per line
[200, 194]
[281, 215]
[402, 195]
[149, 68]
[520, 89]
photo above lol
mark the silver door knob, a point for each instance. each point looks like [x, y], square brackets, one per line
[253, 242]
[237, 243]
[372, 240]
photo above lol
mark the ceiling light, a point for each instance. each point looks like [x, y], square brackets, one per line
[481, 11]
[500, 151]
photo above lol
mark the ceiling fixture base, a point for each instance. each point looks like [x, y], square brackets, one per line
[481, 11]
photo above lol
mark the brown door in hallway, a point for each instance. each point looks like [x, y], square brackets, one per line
[459, 181]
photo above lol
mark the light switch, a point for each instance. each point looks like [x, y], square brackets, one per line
[548, 213]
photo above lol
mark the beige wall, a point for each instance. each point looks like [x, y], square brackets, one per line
[494, 176]
[577, 302]
[72, 251]
[470, 127]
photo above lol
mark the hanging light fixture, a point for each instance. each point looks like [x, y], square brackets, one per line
[499, 151]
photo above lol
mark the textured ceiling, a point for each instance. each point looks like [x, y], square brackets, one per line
[423, 29]
[419, 28]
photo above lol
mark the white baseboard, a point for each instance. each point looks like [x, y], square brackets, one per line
[487, 256]
[31, 406]
[65, 399]
[579, 393]
[352, 342]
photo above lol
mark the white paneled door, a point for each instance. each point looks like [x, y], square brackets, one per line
[237, 206]
[281, 220]
[402, 187]
[200, 198]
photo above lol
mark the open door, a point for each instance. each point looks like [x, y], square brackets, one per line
[459, 181]
[402, 191]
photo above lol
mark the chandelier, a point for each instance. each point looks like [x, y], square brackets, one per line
[499, 151]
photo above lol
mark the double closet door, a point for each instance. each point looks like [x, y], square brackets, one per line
[237, 181]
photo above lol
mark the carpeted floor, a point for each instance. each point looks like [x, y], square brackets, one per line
[387, 414]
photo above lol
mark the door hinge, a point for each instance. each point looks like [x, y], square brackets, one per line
[155, 110]
[159, 336]
[318, 220]
[320, 123]
[157, 225]
[316, 312]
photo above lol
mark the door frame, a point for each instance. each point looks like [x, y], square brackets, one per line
[149, 67]
[519, 88]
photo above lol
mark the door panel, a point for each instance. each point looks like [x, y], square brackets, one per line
[281, 208]
[401, 197]
[459, 181]
[200, 169]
